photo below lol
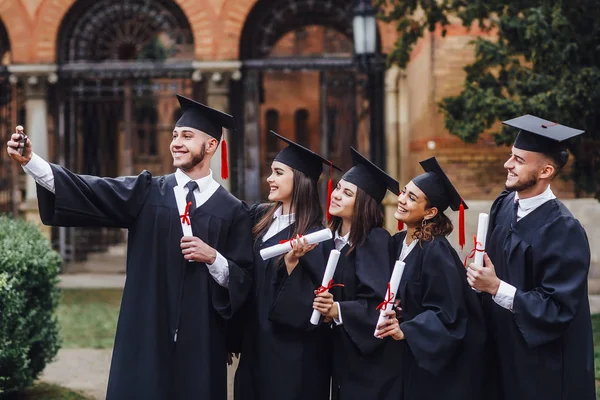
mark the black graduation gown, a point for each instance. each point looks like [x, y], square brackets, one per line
[163, 292]
[544, 347]
[443, 324]
[364, 367]
[283, 355]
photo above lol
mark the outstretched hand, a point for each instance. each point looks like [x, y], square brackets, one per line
[16, 145]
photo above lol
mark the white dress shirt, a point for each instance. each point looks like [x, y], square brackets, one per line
[207, 186]
[40, 170]
[407, 248]
[279, 223]
[505, 296]
[339, 242]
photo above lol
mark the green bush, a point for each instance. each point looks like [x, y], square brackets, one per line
[28, 299]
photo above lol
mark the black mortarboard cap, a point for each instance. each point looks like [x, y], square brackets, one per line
[198, 116]
[437, 186]
[302, 159]
[541, 136]
[369, 177]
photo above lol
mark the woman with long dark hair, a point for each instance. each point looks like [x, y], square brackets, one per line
[283, 355]
[364, 367]
[442, 322]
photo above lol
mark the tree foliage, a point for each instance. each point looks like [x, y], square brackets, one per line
[544, 59]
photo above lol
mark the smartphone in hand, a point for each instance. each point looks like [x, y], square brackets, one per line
[23, 140]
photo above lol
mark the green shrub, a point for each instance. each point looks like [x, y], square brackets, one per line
[28, 299]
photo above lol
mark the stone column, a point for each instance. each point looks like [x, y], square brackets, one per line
[36, 78]
[404, 128]
[36, 128]
[217, 97]
[392, 139]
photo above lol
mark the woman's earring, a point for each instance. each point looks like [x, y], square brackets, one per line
[423, 223]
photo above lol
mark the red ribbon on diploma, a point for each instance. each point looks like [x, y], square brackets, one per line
[388, 300]
[474, 250]
[290, 241]
[323, 289]
[185, 218]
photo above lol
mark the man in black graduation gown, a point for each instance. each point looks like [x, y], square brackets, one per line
[180, 290]
[535, 276]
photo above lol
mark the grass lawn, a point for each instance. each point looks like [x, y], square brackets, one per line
[88, 317]
[46, 391]
[596, 329]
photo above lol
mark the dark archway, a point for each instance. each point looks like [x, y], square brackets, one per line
[4, 44]
[10, 111]
[337, 111]
[121, 62]
[270, 20]
[127, 30]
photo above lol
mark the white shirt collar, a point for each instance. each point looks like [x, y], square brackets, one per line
[203, 183]
[407, 248]
[284, 219]
[345, 240]
[535, 201]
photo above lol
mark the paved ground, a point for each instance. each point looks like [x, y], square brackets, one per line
[86, 370]
[91, 281]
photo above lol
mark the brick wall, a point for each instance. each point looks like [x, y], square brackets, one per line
[436, 71]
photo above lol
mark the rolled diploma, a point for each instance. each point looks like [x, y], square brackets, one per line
[334, 257]
[311, 238]
[180, 193]
[482, 227]
[394, 285]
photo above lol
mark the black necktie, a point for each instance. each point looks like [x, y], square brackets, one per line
[191, 185]
[516, 205]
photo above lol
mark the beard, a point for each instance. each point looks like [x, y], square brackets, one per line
[524, 185]
[196, 159]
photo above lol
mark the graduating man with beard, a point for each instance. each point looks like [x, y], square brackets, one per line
[180, 290]
[535, 276]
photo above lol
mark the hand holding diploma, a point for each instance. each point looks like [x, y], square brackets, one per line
[327, 282]
[282, 248]
[195, 249]
[479, 245]
[390, 297]
[390, 327]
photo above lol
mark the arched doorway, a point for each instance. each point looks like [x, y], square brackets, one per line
[11, 110]
[300, 76]
[120, 64]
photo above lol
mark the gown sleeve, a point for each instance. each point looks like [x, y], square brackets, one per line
[561, 253]
[372, 266]
[295, 293]
[83, 200]
[239, 254]
[434, 335]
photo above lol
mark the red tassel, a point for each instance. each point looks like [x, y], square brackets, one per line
[400, 226]
[224, 162]
[461, 225]
[329, 191]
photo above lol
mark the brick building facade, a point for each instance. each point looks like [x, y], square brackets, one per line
[56, 64]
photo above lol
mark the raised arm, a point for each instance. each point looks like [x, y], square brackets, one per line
[68, 199]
